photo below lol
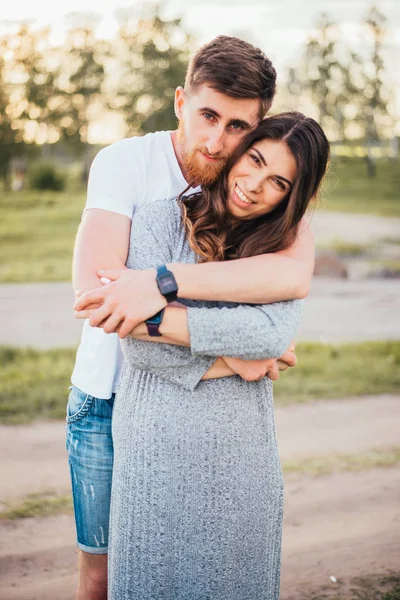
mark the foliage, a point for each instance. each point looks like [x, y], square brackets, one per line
[45, 176]
[154, 53]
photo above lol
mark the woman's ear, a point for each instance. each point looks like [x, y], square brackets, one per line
[179, 102]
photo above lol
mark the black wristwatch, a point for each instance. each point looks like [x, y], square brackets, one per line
[167, 283]
[153, 324]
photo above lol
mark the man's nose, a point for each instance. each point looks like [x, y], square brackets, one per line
[215, 143]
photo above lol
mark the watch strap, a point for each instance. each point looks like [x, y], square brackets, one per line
[153, 324]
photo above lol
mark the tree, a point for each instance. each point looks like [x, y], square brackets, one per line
[26, 86]
[84, 76]
[375, 100]
[322, 70]
[9, 144]
[35, 85]
[155, 54]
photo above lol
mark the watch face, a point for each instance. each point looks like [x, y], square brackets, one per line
[168, 284]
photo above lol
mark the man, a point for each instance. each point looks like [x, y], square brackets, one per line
[228, 89]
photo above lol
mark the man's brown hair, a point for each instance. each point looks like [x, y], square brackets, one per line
[233, 67]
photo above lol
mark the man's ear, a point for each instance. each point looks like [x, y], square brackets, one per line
[179, 102]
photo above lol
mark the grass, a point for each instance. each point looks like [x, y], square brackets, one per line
[34, 384]
[336, 371]
[37, 229]
[38, 505]
[37, 232]
[344, 248]
[349, 189]
[391, 265]
[325, 465]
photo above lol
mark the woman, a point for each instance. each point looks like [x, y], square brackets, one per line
[197, 491]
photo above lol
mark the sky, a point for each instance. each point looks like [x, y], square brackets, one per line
[279, 27]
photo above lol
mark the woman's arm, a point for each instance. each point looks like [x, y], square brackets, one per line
[247, 332]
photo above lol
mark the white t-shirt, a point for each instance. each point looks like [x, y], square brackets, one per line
[123, 176]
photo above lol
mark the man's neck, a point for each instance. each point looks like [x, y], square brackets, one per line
[178, 153]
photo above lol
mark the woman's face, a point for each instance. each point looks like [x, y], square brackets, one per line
[260, 179]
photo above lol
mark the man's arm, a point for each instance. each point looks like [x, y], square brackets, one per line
[133, 297]
[102, 239]
[260, 279]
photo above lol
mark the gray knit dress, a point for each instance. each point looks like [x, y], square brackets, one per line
[197, 496]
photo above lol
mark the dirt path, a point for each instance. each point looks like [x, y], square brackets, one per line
[343, 524]
[335, 311]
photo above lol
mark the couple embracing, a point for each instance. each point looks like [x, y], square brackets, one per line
[199, 238]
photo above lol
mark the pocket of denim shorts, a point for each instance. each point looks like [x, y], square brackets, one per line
[78, 405]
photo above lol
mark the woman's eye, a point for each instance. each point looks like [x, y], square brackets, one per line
[280, 184]
[255, 159]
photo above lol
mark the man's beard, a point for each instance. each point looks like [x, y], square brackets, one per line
[196, 171]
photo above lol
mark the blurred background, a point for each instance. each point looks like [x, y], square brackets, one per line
[75, 79]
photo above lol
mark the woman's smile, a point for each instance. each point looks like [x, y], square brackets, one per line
[261, 179]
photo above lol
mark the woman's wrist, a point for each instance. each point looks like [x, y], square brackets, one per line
[175, 325]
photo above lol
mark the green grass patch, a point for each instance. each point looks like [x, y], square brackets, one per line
[349, 189]
[391, 265]
[344, 248]
[38, 505]
[325, 465]
[34, 383]
[37, 233]
[335, 371]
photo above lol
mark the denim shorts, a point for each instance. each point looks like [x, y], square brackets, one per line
[90, 454]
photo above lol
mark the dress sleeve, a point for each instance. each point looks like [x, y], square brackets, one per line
[154, 233]
[245, 331]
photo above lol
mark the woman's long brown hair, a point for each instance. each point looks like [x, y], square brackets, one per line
[214, 235]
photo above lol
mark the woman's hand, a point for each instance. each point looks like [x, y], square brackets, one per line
[254, 370]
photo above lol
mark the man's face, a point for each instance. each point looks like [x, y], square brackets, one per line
[211, 125]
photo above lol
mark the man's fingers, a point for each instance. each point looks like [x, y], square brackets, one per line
[83, 314]
[97, 295]
[100, 314]
[126, 327]
[111, 325]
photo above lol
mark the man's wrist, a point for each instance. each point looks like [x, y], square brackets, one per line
[166, 283]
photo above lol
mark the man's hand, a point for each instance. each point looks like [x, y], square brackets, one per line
[131, 298]
[254, 370]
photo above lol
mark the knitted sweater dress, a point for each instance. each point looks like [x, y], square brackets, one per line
[197, 497]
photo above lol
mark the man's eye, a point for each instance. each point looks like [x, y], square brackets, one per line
[208, 116]
[237, 126]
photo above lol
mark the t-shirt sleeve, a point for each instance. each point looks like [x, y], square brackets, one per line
[114, 179]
